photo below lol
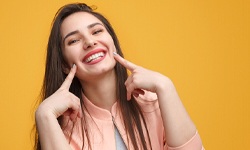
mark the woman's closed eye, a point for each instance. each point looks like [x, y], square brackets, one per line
[97, 31]
[73, 41]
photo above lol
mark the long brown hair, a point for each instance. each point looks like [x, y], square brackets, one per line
[132, 114]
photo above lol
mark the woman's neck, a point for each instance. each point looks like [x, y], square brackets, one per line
[101, 91]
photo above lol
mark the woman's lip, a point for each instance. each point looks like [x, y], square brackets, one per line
[92, 53]
[95, 61]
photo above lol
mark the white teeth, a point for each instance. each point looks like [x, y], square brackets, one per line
[94, 56]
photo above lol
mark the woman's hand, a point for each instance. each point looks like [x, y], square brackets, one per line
[62, 102]
[141, 79]
[178, 126]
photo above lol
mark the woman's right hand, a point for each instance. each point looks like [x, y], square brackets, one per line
[62, 102]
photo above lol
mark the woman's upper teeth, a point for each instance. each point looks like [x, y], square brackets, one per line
[94, 56]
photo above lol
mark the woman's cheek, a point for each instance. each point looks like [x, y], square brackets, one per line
[71, 55]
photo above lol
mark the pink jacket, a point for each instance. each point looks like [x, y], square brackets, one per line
[102, 134]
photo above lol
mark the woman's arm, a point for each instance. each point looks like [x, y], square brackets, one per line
[50, 133]
[179, 128]
[62, 102]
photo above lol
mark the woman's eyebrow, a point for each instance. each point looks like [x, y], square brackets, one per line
[94, 24]
[77, 31]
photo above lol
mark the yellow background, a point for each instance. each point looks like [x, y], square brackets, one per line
[203, 46]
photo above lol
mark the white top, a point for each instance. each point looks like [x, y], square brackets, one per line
[119, 142]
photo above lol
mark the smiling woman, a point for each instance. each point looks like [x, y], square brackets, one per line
[90, 102]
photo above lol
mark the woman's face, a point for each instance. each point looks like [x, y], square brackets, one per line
[86, 43]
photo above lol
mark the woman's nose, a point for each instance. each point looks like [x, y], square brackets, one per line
[89, 43]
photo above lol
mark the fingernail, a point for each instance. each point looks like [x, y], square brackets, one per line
[73, 65]
[114, 53]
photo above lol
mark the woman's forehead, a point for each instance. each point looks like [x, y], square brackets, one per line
[78, 20]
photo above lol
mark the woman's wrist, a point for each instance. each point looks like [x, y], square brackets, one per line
[44, 114]
[164, 85]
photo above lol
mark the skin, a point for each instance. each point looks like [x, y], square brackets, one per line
[179, 128]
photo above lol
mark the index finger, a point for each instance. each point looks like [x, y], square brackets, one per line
[127, 64]
[68, 80]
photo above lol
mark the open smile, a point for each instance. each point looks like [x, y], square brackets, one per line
[94, 57]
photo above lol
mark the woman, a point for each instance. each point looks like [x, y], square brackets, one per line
[91, 103]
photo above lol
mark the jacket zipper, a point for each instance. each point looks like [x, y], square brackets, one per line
[115, 126]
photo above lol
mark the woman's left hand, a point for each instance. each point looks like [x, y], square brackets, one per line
[140, 78]
[178, 131]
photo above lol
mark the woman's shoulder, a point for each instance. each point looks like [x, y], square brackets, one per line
[148, 101]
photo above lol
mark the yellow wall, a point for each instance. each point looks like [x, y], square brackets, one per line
[203, 46]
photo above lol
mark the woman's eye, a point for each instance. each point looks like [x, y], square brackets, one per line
[97, 31]
[72, 42]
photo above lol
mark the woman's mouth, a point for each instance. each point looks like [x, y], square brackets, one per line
[94, 58]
